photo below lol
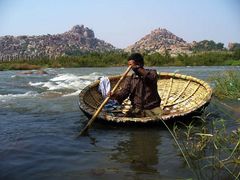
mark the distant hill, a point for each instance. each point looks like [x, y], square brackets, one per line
[160, 40]
[78, 40]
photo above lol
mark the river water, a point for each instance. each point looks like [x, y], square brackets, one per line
[40, 118]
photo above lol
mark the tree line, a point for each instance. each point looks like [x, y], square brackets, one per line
[208, 58]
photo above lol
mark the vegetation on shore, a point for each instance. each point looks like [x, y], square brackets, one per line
[208, 58]
[209, 149]
[227, 85]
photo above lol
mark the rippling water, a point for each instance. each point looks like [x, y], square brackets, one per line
[40, 118]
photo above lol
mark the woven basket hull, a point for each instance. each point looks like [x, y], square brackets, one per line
[181, 96]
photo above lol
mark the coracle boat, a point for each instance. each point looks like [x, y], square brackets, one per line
[181, 95]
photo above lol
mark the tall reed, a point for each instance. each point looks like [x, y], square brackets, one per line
[209, 149]
[227, 85]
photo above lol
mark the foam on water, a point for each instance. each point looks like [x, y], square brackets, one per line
[53, 85]
[36, 84]
[73, 94]
[6, 97]
[67, 81]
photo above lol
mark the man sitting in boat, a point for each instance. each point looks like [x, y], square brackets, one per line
[141, 88]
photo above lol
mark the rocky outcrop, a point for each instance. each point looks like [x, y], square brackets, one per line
[206, 45]
[233, 46]
[160, 40]
[79, 39]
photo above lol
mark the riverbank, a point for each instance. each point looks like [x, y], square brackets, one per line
[227, 85]
[218, 58]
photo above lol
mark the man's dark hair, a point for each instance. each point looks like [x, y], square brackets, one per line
[137, 57]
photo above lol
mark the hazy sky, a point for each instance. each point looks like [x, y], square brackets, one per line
[123, 22]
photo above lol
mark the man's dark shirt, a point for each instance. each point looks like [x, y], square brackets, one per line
[142, 90]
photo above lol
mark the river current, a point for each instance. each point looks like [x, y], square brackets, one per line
[40, 119]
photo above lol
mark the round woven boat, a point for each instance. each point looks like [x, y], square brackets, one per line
[181, 95]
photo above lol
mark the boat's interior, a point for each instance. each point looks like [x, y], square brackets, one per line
[180, 95]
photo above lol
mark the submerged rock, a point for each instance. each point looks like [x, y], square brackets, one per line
[38, 72]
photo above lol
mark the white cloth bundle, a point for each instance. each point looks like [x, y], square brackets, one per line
[104, 86]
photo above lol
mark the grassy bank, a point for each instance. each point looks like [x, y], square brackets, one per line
[119, 59]
[19, 66]
[209, 149]
[227, 85]
[86, 60]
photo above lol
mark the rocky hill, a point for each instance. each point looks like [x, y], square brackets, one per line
[160, 40]
[79, 39]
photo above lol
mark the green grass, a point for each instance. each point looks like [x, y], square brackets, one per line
[18, 66]
[227, 85]
[209, 150]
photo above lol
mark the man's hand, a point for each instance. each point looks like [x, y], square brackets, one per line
[109, 94]
[135, 68]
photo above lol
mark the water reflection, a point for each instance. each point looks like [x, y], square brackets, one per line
[140, 151]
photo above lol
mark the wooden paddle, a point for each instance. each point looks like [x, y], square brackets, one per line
[104, 102]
